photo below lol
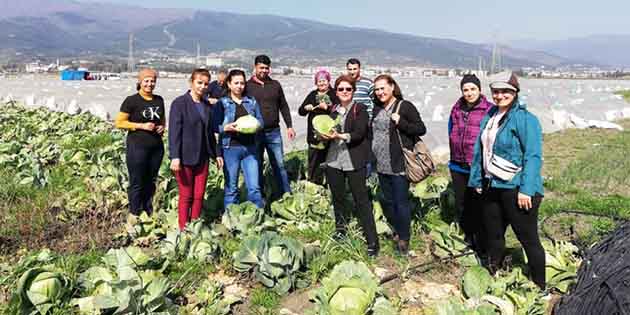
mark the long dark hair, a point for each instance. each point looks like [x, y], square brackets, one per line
[397, 93]
[234, 73]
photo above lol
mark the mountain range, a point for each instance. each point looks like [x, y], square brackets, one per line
[609, 50]
[66, 28]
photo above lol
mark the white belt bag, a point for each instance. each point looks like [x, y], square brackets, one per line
[502, 168]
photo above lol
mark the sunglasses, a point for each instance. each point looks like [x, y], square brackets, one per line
[348, 89]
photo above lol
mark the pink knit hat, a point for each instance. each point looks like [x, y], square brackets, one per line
[322, 74]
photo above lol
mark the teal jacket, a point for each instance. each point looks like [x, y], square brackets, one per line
[518, 140]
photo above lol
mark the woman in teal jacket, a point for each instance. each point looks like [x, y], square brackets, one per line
[506, 170]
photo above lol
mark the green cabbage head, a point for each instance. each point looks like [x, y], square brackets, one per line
[350, 289]
[42, 289]
[323, 124]
[247, 124]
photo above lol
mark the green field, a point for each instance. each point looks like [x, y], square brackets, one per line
[63, 217]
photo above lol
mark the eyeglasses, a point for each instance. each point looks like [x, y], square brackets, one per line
[340, 89]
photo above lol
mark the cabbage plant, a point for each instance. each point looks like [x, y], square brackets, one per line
[241, 218]
[197, 242]
[275, 260]
[307, 207]
[351, 289]
[42, 288]
[125, 285]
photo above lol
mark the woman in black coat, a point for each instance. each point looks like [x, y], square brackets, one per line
[317, 102]
[346, 160]
[395, 124]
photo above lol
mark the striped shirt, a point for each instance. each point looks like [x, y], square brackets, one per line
[364, 93]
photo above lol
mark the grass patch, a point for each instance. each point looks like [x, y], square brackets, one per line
[25, 210]
[586, 170]
[264, 301]
[186, 275]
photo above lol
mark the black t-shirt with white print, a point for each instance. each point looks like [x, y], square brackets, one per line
[141, 110]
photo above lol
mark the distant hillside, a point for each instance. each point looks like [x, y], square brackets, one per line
[70, 28]
[611, 50]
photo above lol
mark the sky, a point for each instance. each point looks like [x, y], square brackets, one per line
[473, 21]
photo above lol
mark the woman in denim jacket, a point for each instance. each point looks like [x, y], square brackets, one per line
[239, 149]
[506, 170]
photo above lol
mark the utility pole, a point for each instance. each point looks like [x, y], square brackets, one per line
[130, 62]
[480, 69]
[198, 54]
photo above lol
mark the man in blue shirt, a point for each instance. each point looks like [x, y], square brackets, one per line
[365, 87]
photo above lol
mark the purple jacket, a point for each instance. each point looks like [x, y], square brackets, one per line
[464, 127]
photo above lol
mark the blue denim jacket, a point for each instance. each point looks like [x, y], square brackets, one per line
[226, 112]
[518, 140]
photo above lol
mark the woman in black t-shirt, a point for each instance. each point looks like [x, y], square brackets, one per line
[143, 115]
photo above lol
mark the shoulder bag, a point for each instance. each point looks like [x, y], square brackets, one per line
[419, 163]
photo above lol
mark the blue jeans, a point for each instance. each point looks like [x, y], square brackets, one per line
[395, 203]
[237, 157]
[271, 140]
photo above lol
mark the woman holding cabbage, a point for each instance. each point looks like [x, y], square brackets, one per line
[395, 124]
[346, 160]
[317, 102]
[240, 119]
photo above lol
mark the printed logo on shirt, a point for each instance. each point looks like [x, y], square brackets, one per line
[151, 113]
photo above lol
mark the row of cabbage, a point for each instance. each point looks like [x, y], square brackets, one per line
[133, 278]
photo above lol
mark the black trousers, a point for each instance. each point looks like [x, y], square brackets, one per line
[362, 205]
[500, 208]
[143, 164]
[468, 207]
[315, 169]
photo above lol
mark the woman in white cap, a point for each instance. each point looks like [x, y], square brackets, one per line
[142, 114]
[506, 170]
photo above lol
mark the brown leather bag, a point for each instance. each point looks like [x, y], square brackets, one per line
[419, 163]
